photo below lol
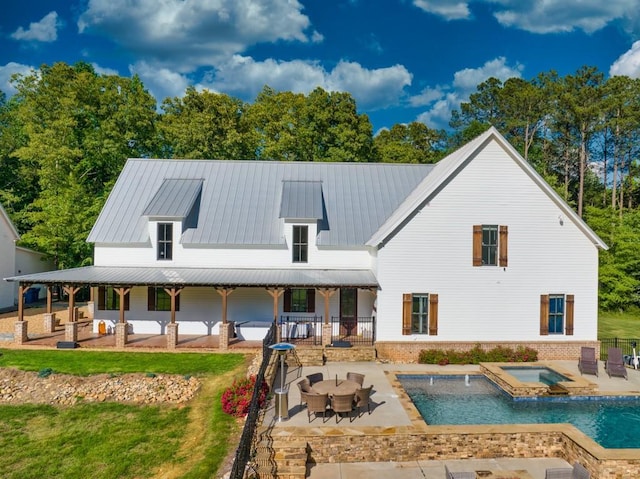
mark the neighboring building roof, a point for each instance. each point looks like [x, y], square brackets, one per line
[174, 198]
[447, 168]
[241, 200]
[302, 199]
[5, 218]
[146, 276]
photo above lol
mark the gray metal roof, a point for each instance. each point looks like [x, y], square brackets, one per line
[107, 275]
[301, 199]
[174, 198]
[241, 200]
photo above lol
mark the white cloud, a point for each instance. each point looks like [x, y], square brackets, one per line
[46, 30]
[7, 71]
[449, 9]
[161, 82]
[245, 77]
[549, 16]
[463, 84]
[628, 63]
[103, 70]
[185, 34]
[427, 96]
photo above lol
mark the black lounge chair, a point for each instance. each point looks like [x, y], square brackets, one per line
[576, 472]
[615, 364]
[588, 364]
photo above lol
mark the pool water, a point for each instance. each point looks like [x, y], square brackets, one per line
[612, 423]
[532, 374]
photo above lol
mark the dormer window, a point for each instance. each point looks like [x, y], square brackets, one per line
[300, 243]
[165, 241]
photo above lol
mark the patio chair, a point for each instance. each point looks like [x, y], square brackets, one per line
[614, 364]
[356, 378]
[575, 472]
[341, 403]
[316, 403]
[362, 399]
[588, 362]
[305, 387]
[315, 378]
[458, 475]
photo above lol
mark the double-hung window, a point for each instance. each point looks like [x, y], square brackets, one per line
[420, 313]
[159, 300]
[109, 299]
[299, 300]
[300, 244]
[556, 314]
[490, 245]
[165, 241]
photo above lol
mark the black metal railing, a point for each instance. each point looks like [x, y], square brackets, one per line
[245, 445]
[301, 329]
[355, 331]
[626, 344]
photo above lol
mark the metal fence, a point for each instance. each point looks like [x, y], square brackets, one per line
[625, 344]
[301, 329]
[245, 445]
[357, 331]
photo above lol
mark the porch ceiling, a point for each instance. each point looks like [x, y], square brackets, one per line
[137, 276]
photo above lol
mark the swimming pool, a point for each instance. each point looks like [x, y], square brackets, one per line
[612, 423]
[529, 374]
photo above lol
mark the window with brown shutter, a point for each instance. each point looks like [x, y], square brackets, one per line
[490, 245]
[569, 315]
[299, 301]
[433, 314]
[159, 300]
[407, 303]
[477, 245]
[109, 299]
[502, 244]
[544, 314]
[556, 314]
[419, 313]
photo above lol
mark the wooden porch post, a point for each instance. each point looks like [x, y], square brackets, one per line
[326, 327]
[49, 299]
[275, 294]
[226, 328]
[122, 292]
[173, 292]
[224, 292]
[71, 290]
[21, 302]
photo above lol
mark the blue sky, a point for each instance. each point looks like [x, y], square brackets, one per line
[402, 60]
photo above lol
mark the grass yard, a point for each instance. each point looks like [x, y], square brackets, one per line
[619, 324]
[111, 440]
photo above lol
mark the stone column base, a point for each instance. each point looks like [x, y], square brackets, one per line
[71, 332]
[326, 334]
[121, 334]
[226, 333]
[172, 335]
[20, 334]
[49, 322]
[91, 309]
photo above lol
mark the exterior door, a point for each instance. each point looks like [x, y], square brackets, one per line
[348, 311]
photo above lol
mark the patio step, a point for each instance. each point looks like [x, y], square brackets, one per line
[281, 459]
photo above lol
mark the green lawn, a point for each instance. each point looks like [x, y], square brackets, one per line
[112, 440]
[619, 324]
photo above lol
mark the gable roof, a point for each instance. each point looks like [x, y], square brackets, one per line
[447, 168]
[4, 217]
[240, 201]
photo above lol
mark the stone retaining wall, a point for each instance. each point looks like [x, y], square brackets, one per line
[409, 352]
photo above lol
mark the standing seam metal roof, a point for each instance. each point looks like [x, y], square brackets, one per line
[241, 200]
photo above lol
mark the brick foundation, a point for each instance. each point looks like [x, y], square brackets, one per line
[122, 331]
[49, 322]
[226, 333]
[20, 332]
[71, 332]
[172, 335]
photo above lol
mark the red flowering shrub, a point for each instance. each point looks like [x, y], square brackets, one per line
[237, 398]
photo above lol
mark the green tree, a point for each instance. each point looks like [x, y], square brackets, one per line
[412, 143]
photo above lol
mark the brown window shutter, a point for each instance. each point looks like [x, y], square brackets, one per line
[151, 298]
[286, 307]
[569, 315]
[311, 301]
[101, 294]
[433, 314]
[503, 246]
[126, 300]
[477, 245]
[544, 314]
[407, 303]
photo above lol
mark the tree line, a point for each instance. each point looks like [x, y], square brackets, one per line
[66, 133]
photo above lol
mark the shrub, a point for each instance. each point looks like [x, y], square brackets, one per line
[237, 398]
[45, 373]
[499, 354]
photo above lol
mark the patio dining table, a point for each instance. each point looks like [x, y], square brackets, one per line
[333, 386]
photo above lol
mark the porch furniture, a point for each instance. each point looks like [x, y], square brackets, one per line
[316, 404]
[458, 475]
[342, 403]
[588, 362]
[503, 474]
[362, 399]
[356, 377]
[332, 387]
[576, 472]
[315, 378]
[305, 387]
[614, 364]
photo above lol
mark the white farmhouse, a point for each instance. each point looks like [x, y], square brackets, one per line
[475, 249]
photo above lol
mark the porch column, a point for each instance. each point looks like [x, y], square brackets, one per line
[275, 294]
[326, 327]
[122, 292]
[71, 290]
[226, 328]
[172, 327]
[21, 289]
[91, 304]
[49, 317]
[49, 299]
